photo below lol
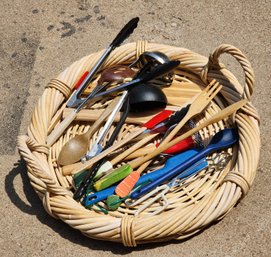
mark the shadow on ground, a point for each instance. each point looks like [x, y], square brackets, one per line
[35, 208]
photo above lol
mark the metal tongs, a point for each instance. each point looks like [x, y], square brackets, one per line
[126, 31]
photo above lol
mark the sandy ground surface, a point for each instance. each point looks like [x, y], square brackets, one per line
[40, 38]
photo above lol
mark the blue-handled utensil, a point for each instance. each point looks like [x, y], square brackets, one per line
[223, 139]
[172, 162]
[159, 193]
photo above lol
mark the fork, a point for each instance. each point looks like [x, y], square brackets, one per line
[197, 106]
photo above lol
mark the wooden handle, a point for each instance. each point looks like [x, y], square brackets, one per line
[132, 149]
[93, 115]
[139, 152]
[217, 117]
[58, 131]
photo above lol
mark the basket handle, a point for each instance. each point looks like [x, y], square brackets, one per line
[243, 61]
[39, 169]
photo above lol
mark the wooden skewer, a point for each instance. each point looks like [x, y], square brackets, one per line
[132, 149]
[139, 152]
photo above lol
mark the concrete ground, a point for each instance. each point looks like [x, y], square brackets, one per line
[40, 38]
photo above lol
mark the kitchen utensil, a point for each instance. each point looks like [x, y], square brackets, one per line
[221, 140]
[229, 110]
[76, 147]
[163, 189]
[179, 181]
[126, 31]
[155, 99]
[149, 60]
[96, 146]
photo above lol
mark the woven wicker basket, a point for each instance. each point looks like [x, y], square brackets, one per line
[209, 197]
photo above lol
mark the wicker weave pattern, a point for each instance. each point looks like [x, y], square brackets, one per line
[192, 208]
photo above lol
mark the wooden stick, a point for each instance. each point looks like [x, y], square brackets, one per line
[132, 149]
[140, 152]
[92, 115]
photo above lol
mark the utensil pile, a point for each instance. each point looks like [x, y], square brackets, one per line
[140, 169]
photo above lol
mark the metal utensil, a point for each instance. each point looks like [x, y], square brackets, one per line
[126, 31]
[97, 147]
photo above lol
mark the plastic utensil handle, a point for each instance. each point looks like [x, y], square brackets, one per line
[79, 82]
[173, 170]
[181, 146]
[177, 116]
[126, 31]
[163, 115]
[178, 159]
